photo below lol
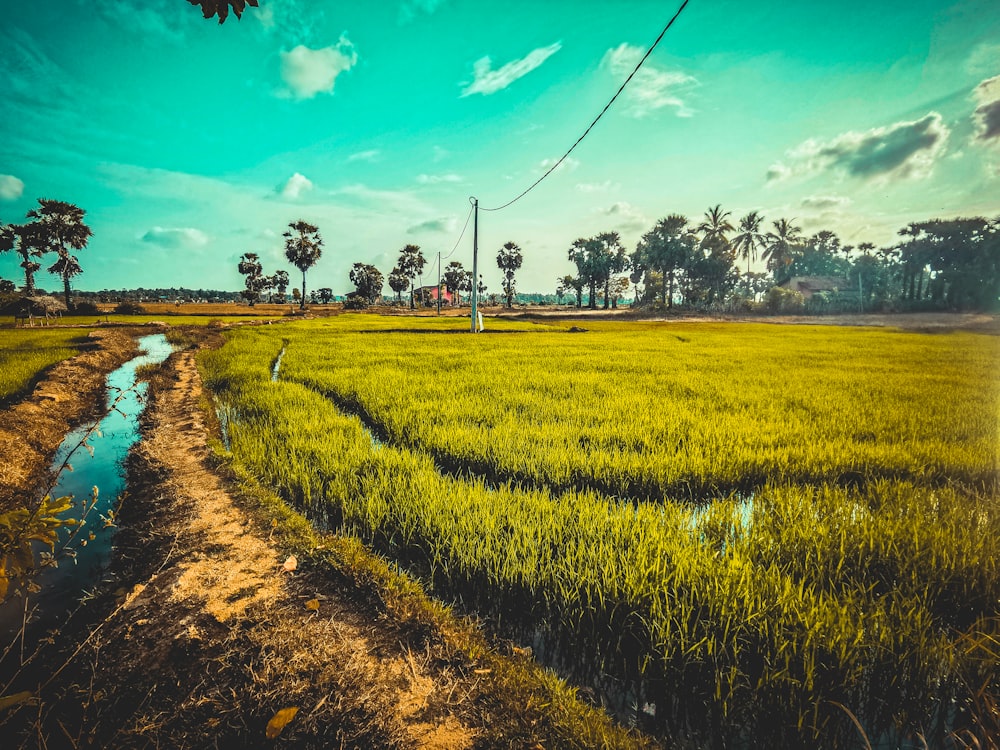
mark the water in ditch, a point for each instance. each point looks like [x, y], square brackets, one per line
[101, 466]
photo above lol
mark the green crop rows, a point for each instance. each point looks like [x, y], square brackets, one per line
[739, 526]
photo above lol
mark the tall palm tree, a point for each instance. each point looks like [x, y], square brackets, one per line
[57, 226]
[411, 264]
[715, 225]
[782, 246]
[509, 260]
[303, 247]
[750, 239]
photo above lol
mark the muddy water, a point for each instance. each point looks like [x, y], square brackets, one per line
[102, 467]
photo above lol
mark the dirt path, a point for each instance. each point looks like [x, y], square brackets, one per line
[212, 632]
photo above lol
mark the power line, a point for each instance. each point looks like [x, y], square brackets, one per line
[461, 235]
[589, 127]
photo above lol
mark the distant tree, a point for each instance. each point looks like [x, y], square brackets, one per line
[368, 281]
[210, 8]
[250, 267]
[58, 227]
[279, 282]
[560, 290]
[618, 290]
[604, 256]
[303, 247]
[749, 238]
[509, 260]
[637, 275]
[666, 249]
[296, 294]
[398, 282]
[577, 284]
[820, 255]
[411, 264]
[325, 294]
[454, 280]
[7, 286]
[781, 248]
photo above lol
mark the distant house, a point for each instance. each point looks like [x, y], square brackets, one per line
[807, 286]
[429, 294]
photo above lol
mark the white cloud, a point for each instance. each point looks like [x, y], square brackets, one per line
[569, 164]
[369, 155]
[903, 150]
[488, 81]
[448, 224]
[11, 188]
[186, 237]
[825, 202]
[295, 187]
[437, 179]
[309, 72]
[983, 59]
[598, 187]
[626, 216]
[651, 88]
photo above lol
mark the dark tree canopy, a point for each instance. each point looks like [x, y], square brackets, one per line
[210, 8]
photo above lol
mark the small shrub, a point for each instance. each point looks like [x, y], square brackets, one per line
[86, 308]
[129, 308]
[781, 300]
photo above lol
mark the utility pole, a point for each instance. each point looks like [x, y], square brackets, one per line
[439, 283]
[475, 263]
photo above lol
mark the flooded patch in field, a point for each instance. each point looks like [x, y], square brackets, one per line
[97, 463]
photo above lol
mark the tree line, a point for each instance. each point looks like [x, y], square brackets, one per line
[938, 264]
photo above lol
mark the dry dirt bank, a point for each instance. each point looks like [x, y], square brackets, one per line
[31, 430]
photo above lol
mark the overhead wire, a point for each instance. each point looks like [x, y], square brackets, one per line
[607, 106]
[459, 241]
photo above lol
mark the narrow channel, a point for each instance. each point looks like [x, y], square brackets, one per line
[102, 467]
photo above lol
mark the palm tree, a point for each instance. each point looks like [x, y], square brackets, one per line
[411, 264]
[782, 246]
[715, 225]
[509, 260]
[303, 247]
[58, 227]
[750, 239]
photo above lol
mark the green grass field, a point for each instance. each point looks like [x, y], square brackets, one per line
[26, 352]
[737, 527]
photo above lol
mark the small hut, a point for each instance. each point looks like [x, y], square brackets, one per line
[40, 307]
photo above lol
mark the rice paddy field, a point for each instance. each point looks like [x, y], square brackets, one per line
[734, 535]
[25, 352]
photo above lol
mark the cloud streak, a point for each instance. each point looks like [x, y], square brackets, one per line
[176, 237]
[651, 88]
[903, 150]
[987, 114]
[447, 224]
[487, 81]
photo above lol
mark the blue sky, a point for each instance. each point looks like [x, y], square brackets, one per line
[189, 143]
